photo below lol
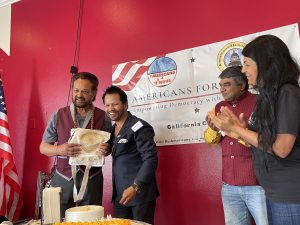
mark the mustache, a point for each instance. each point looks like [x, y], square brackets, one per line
[81, 98]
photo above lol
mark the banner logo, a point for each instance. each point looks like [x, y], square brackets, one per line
[162, 71]
[230, 55]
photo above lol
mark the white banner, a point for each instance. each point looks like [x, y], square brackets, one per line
[5, 16]
[5, 21]
[174, 92]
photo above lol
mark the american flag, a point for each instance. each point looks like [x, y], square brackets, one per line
[127, 75]
[11, 199]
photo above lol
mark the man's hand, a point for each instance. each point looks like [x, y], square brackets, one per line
[104, 149]
[69, 149]
[209, 121]
[128, 195]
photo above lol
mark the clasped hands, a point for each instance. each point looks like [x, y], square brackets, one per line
[225, 121]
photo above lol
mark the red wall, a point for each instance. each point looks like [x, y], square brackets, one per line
[36, 80]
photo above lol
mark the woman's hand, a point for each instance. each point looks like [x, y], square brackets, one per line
[227, 121]
[240, 121]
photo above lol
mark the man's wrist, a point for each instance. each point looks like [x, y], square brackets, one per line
[136, 187]
[56, 150]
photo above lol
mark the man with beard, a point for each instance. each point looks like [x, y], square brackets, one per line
[135, 160]
[80, 114]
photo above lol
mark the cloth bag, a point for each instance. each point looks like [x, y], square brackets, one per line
[90, 141]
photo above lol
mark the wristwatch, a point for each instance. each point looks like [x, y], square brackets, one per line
[136, 187]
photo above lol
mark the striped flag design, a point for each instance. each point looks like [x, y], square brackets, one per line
[11, 200]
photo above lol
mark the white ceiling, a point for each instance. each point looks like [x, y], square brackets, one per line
[7, 2]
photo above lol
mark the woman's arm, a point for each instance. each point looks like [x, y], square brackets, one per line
[228, 122]
[283, 144]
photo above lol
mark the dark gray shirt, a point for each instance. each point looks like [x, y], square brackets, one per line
[280, 177]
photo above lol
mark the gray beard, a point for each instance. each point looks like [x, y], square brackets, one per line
[86, 105]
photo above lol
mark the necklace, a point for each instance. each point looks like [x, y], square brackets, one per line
[76, 123]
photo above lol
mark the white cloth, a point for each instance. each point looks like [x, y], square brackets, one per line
[89, 156]
[90, 141]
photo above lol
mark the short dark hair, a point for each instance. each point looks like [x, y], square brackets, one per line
[115, 90]
[236, 73]
[87, 76]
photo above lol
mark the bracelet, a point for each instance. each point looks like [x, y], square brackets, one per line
[136, 187]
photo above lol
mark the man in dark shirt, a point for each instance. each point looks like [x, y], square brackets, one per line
[135, 160]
